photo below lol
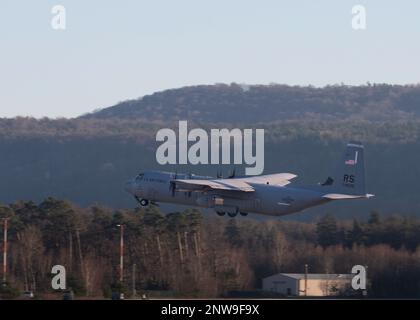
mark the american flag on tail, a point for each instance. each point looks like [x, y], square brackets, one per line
[352, 162]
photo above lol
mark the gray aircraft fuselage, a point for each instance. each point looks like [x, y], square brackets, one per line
[272, 194]
[267, 199]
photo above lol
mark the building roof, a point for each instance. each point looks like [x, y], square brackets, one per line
[317, 276]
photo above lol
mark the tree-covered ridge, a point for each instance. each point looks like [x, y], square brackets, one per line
[45, 128]
[247, 104]
[88, 160]
[186, 254]
[140, 131]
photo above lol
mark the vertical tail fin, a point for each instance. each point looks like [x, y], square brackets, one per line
[349, 178]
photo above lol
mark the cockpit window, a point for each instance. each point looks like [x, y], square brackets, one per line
[140, 176]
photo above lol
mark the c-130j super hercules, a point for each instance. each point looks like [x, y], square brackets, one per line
[271, 194]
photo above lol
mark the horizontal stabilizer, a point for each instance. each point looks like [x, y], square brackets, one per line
[338, 196]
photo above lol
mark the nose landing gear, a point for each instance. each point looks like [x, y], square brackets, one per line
[142, 202]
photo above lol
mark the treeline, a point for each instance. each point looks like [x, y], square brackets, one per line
[139, 131]
[189, 254]
[399, 232]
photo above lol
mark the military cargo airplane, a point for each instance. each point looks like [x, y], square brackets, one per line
[271, 194]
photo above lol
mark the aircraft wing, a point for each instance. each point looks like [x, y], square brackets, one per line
[218, 184]
[281, 179]
[240, 184]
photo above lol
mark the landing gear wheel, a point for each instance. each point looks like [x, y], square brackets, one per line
[243, 214]
[220, 213]
[143, 202]
[232, 214]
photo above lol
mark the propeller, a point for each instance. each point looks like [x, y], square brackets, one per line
[172, 185]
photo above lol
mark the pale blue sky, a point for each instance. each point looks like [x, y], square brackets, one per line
[118, 50]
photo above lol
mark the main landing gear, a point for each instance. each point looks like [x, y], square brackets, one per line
[231, 214]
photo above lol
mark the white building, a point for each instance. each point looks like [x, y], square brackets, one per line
[314, 284]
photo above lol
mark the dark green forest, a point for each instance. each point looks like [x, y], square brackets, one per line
[186, 254]
[88, 161]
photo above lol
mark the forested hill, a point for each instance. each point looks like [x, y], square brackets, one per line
[245, 104]
[88, 159]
